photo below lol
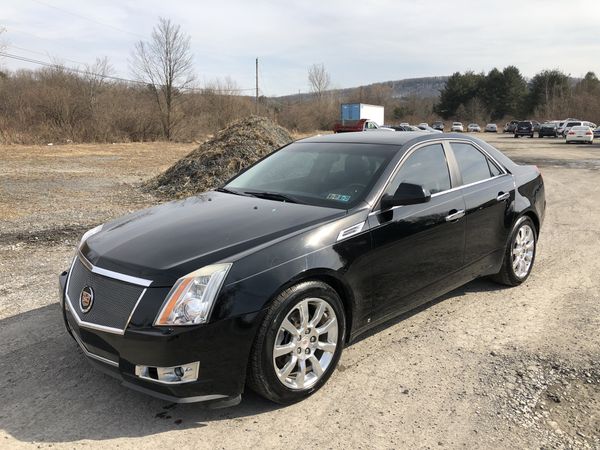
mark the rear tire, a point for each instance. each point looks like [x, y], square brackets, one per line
[519, 254]
[306, 326]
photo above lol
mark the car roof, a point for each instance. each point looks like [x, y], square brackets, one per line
[396, 138]
[370, 137]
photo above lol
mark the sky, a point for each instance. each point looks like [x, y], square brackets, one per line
[358, 42]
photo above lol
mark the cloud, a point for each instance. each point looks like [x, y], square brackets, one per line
[359, 43]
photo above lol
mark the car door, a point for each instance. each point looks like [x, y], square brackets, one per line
[489, 193]
[416, 246]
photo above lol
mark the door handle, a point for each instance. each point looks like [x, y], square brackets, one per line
[503, 196]
[455, 215]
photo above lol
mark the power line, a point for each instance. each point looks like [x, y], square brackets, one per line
[99, 75]
[45, 53]
[81, 16]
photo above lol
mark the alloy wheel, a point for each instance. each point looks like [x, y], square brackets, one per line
[523, 250]
[305, 344]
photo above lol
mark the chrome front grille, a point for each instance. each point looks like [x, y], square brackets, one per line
[114, 300]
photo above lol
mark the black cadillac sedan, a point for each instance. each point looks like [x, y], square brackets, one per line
[262, 282]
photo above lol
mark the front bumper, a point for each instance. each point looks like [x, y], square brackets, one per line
[222, 349]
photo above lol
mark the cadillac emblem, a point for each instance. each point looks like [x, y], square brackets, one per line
[86, 299]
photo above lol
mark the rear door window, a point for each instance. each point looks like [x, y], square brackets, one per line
[474, 166]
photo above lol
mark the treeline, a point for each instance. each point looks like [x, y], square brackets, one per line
[550, 94]
[56, 105]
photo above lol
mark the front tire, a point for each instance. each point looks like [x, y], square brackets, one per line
[299, 343]
[519, 255]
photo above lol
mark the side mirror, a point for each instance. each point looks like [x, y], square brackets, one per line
[406, 194]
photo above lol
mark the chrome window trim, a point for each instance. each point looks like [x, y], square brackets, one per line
[441, 141]
[111, 274]
[93, 355]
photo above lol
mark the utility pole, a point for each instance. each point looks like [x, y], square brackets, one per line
[257, 86]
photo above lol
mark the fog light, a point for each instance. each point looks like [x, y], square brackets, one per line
[183, 373]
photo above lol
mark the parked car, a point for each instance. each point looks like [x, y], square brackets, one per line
[457, 126]
[348, 126]
[563, 123]
[439, 125]
[473, 128]
[597, 133]
[548, 129]
[428, 128]
[403, 128]
[575, 123]
[510, 126]
[423, 124]
[262, 282]
[580, 134]
[524, 128]
[491, 128]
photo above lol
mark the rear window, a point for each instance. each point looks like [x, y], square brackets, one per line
[524, 124]
[578, 128]
[574, 124]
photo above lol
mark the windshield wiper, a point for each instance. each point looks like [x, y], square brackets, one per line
[229, 191]
[273, 196]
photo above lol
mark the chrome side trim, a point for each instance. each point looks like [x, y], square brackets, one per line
[91, 326]
[93, 355]
[111, 274]
[351, 231]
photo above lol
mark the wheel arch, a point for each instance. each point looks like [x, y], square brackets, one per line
[337, 283]
[534, 218]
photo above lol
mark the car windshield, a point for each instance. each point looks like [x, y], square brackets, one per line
[549, 125]
[322, 174]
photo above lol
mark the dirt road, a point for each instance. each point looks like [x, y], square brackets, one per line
[484, 367]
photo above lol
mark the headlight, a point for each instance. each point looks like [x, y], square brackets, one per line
[190, 301]
[89, 233]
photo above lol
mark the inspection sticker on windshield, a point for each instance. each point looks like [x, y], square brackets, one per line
[338, 197]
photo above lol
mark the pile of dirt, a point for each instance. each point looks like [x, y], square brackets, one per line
[218, 159]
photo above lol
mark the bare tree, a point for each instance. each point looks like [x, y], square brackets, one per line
[165, 63]
[319, 79]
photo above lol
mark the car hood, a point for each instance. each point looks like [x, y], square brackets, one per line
[168, 241]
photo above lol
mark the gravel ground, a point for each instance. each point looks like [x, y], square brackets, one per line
[483, 367]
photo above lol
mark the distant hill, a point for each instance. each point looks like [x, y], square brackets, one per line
[425, 87]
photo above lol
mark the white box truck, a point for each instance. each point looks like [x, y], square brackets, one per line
[358, 111]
